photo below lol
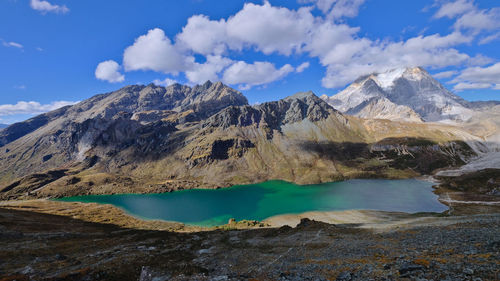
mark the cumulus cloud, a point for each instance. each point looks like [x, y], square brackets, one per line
[154, 51]
[165, 83]
[346, 56]
[271, 29]
[257, 73]
[299, 32]
[46, 7]
[31, 107]
[109, 71]
[478, 78]
[204, 36]
[209, 70]
[264, 27]
[303, 66]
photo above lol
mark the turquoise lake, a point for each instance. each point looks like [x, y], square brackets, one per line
[260, 201]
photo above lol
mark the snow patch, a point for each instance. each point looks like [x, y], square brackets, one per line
[386, 79]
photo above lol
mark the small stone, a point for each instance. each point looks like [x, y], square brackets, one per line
[409, 267]
[468, 271]
[60, 257]
[344, 276]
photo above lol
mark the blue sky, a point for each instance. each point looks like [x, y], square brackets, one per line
[57, 52]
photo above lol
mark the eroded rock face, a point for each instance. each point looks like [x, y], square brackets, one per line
[274, 114]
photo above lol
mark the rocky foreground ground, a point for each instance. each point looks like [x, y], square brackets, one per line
[36, 246]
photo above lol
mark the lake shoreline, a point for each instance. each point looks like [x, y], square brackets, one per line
[109, 214]
[258, 202]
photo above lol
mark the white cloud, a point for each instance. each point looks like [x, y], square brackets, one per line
[445, 74]
[454, 8]
[12, 44]
[490, 38]
[204, 36]
[264, 27]
[209, 70]
[323, 5]
[303, 66]
[46, 7]
[478, 77]
[433, 51]
[258, 73]
[336, 9]
[469, 86]
[479, 20]
[154, 51]
[20, 87]
[345, 8]
[165, 83]
[469, 17]
[31, 107]
[271, 29]
[109, 71]
[328, 40]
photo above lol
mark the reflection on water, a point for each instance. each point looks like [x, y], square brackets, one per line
[263, 200]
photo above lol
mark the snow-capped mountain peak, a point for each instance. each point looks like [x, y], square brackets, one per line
[412, 87]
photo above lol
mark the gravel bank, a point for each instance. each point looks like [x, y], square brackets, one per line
[47, 247]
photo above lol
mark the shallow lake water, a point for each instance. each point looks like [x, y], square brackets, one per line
[263, 200]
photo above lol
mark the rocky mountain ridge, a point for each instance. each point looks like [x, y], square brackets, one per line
[156, 139]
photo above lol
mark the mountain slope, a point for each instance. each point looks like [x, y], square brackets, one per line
[422, 96]
[66, 134]
[155, 139]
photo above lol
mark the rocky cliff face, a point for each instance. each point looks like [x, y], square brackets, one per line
[275, 114]
[421, 96]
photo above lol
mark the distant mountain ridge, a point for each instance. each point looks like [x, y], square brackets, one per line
[404, 93]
